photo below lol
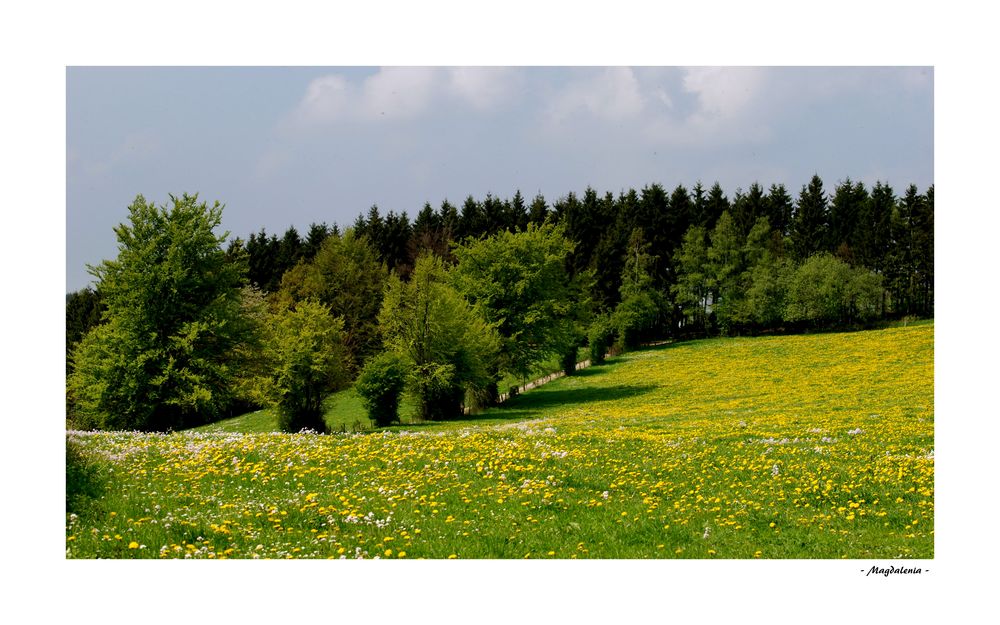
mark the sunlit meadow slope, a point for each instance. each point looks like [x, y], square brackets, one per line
[818, 446]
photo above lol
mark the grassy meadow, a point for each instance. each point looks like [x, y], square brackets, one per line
[811, 446]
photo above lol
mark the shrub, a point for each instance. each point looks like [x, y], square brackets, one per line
[600, 337]
[568, 360]
[634, 317]
[85, 481]
[825, 291]
[380, 386]
[309, 361]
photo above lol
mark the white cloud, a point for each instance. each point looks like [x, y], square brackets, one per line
[393, 93]
[723, 92]
[697, 106]
[327, 99]
[612, 93]
[405, 93]
[485, 88]
[398, 92]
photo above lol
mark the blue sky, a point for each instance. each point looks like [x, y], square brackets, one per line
[289, 146]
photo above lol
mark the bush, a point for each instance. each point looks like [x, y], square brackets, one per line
[634, 317]
[85, 481]
[309, 361]
[827, 291]
[380, 386]
[568, 360]
[600, 337]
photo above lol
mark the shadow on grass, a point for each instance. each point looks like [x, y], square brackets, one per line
[541, 398]
[532, 403]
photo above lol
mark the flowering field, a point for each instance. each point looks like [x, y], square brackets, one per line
[817, 446]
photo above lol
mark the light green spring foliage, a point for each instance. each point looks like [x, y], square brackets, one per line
[753, 281]
[825, 289]
[691, 292]
[600, 337]
[380, 386]
[308, 361]
[450, 345]
[163, 359]
[347, 276]
[519, 281]
[726, 265]
[641, 304]
[765, 277]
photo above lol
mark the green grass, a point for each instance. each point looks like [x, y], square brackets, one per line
[818, 446]
[343, 411]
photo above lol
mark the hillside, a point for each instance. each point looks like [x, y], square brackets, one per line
[815, 446]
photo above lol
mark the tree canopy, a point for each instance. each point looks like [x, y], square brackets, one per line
[451, 348]
[162, 357]
[520, 283]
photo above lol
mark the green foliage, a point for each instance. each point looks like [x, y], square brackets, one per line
[451, 348]
[825, 290]
[765, 277]
[346, 276]
[726, 265]
[810, 226]
[765, 296]
[162, 357]
[86, 478]
[520, 283]
[692, 291]
[380, 385]
[600, 338]
[83, 311]
[568, 360]
[308, 360]
[637, 313]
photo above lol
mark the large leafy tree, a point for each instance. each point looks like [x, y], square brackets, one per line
[825, 290]
[163, 358]
[766, 276]
[347, 276]
[692, 290]
[519, 281]
[450, 348]
[306, 360]
[638, 312]
[726, 266]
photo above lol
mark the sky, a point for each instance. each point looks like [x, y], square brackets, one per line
[289, 146]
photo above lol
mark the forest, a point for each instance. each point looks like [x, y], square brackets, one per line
[188, 326]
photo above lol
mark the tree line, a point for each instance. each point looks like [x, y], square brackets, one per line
[180, 331]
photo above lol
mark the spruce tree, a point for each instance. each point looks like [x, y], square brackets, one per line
[811, 221]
